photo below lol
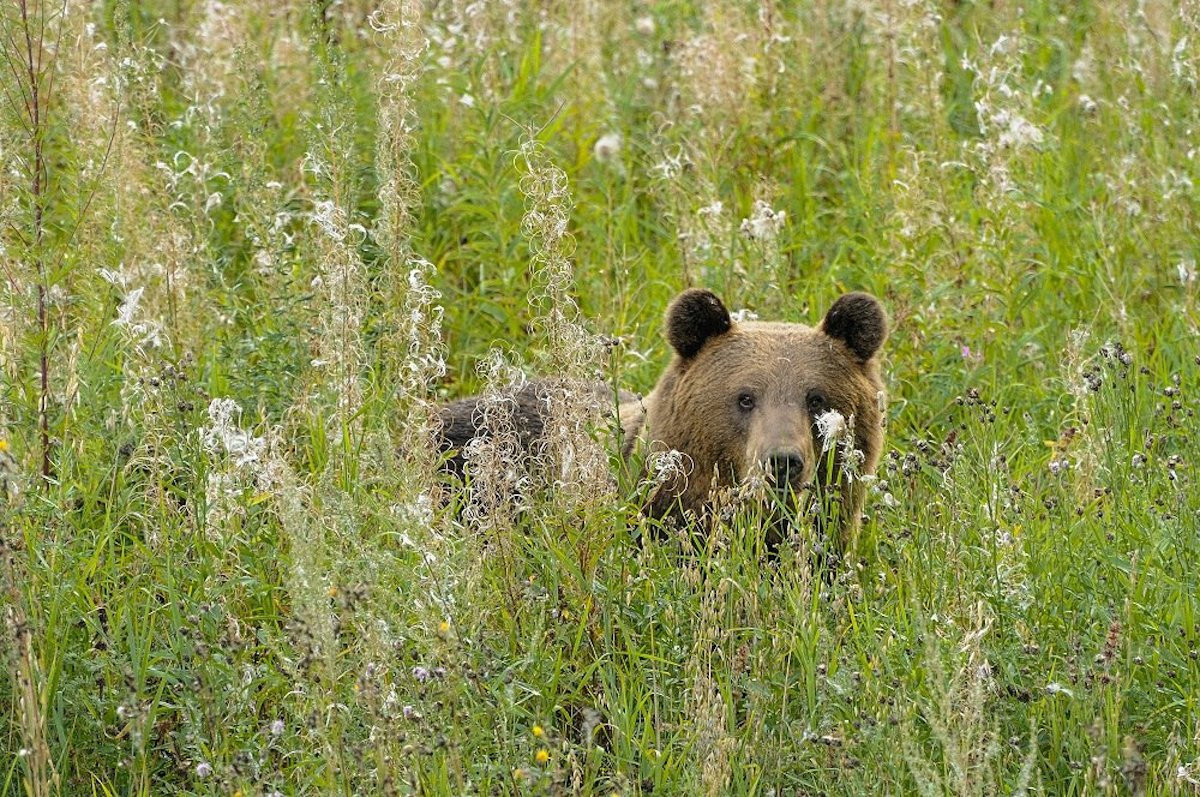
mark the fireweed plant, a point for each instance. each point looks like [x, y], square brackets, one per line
[246, 249]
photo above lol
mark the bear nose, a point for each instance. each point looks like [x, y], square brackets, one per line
[785, 468]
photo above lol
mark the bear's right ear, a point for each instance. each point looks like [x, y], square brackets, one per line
[693, 317]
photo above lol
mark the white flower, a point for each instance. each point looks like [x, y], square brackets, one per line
[129, 307]
[118, 277]
[1055, 688]
[743, 314]
[277, 728]
[203, 770]
[607, 147]
[224, 436]
[764, 223]
[830, 426]
[467, 101]
[670, 167]
[1013, 130]
[644, 25]
[1187, 272]
[667, 465]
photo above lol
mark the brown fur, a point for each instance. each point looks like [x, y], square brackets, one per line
[740, 397]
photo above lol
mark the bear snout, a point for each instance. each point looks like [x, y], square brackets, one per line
[785, 468]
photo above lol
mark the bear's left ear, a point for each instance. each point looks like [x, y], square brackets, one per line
[857, 319]
[693, 317]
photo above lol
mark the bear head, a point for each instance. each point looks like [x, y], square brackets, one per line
[746, 399]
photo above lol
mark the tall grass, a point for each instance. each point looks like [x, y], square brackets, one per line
[246, 249]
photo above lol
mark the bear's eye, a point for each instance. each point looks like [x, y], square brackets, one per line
[746, 401]
[817, 401]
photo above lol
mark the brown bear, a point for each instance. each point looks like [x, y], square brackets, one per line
[792, 406]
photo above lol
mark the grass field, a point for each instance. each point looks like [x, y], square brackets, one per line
[246, 248]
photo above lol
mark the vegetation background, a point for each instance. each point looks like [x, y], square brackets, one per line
[246, 247]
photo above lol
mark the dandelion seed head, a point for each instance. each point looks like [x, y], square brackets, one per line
[607, 147]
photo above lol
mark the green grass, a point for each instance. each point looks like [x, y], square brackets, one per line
[289, 603]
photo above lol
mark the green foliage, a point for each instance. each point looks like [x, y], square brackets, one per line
[240, 573]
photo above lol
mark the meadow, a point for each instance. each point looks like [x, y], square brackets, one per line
[246, 249]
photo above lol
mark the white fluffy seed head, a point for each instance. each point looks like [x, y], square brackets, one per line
[831, 425]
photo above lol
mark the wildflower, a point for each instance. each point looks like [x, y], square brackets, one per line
[667, 465]
[1087, 104]
[203, 770]
[542, 755]
[830, 426]
[142, 333]
[444, 627]
[739, 316]
[1013, 129]
[764, 223]
[607, 147]
[539, 731]
[129, 307]
[422, 674]
[223, 433]
[1055, 688]
[644, 25]
[277, 728]
[672, 164]
[518, 774]
[3, 446]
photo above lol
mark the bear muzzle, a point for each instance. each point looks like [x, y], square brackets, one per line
[785, 470]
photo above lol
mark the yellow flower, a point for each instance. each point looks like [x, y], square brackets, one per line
[444, 627]
[518, 773]
[332, 592]
[3, 446]
[542, 756]
[539, 731]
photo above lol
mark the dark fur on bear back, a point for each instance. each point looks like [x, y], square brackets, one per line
[525, 409]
